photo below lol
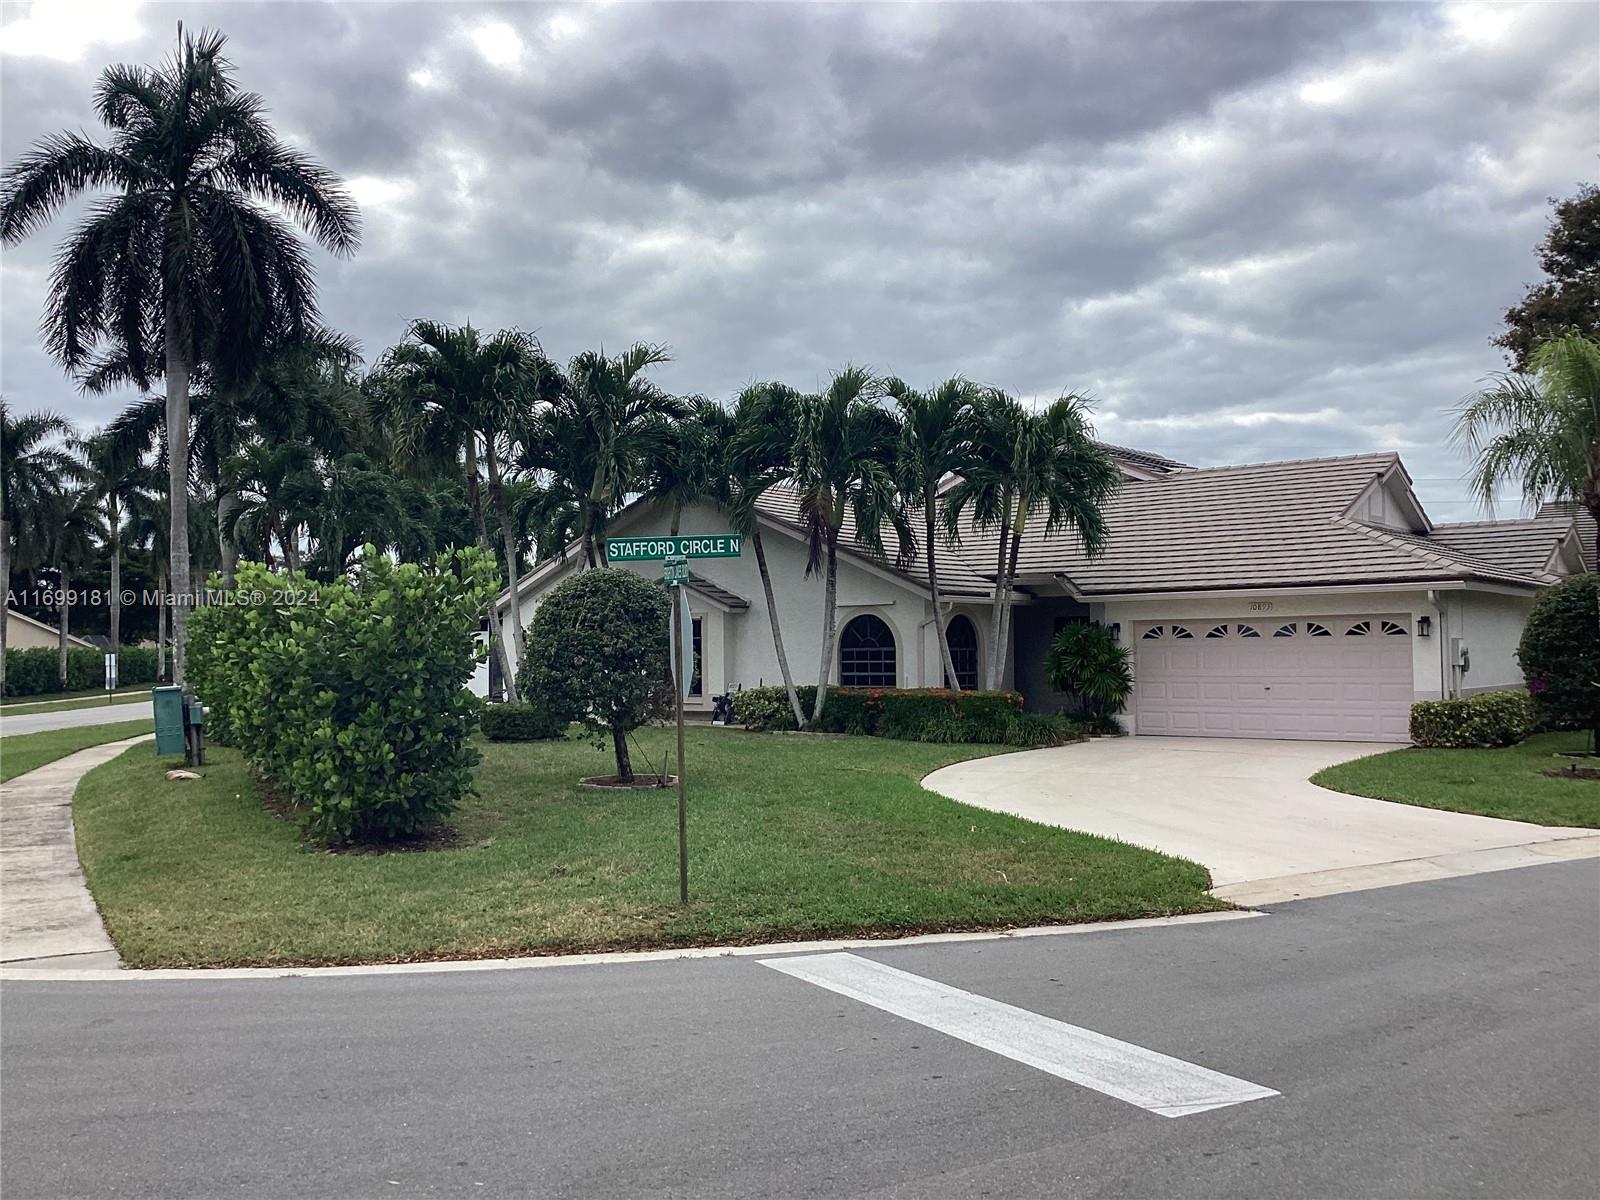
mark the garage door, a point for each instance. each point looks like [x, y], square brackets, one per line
[1331, 678]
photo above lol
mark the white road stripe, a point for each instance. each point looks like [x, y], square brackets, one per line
[1157, 1082]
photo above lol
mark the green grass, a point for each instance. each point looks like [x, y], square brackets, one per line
[789, 838]
[24, 751]
[1492, 783]
[33, 704]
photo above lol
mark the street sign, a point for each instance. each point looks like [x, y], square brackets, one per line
[675, 572]
[683, 648]
[697, 545]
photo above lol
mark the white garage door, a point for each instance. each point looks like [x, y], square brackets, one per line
[1329, 678]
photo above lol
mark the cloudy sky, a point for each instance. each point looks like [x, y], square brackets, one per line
[1251, 231]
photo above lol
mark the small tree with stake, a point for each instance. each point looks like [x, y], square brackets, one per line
[597, 653]
[1560, 655]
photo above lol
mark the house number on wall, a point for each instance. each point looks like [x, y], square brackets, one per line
[1261, 606]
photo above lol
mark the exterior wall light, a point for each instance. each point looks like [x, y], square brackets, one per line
[1424, 627]
[1116, 631]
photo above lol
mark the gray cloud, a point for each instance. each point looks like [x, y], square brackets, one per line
[1251, 231]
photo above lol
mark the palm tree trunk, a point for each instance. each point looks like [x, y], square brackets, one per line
[928, 503]
[178, 481]
[508, 541]
[227, 506]
[1003, 645]
[116, 578]
[777, 634]
[62, 584]
[161, 625]
[991, 677]
[830, 619]
[497, 637]
[5, 582]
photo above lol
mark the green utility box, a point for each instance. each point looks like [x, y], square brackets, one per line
[170, 737]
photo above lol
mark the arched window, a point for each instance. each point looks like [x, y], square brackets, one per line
[866, 654]
[962, 635]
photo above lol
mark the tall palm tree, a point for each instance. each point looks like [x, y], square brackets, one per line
[35, 469]
[70, 545]
[684, 456]
[760, 457]
[112, 476]
[187, 258]
[844, 459]
[1539, 433]
[278, 491]
[452, 394]
[596, 435]
[935, 442]
[1023, 464]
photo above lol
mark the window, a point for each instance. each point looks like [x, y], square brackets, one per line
[1178, 631]
[1392, 629]
[1316, 630]
[1288, 630]
[866, 654]
[1217, 631]
[696, 626]
[1154, 632]
[1247, 631]
[1359, 629]
[962, 635]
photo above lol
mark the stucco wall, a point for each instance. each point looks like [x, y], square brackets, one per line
[1491, 626]
[1035, 628]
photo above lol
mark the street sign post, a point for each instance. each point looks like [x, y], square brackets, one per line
[675, 553]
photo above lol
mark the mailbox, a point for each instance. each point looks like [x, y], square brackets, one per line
[170, 737]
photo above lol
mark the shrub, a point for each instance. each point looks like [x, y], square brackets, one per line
[35, 671]
[519, 723]
[597, 653]
[1085, 660]
[1560, 654]
[355, 706]
[912, 714]
[1486, 719]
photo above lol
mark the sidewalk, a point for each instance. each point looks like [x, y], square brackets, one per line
[46, 913]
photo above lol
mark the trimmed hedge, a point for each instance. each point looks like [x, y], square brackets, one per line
[1486, 719]
[519, 723]
[1560, 654]
[34, 671]
[911, 714]
[353, 704]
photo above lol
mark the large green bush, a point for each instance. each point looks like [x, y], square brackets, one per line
[354, 704]
[911, 714]
[35, 671]
[597, 653]
[1485, 719]
[1560, 654]
[1086, 661]
[519, 723]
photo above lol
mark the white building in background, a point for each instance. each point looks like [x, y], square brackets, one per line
[1304, 599]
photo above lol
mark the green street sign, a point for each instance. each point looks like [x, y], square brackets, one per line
[696, 545]
[676, 571]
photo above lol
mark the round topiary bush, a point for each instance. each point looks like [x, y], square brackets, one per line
[1560, 654]
[597, 653]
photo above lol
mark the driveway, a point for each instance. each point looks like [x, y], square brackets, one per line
[1246, 810]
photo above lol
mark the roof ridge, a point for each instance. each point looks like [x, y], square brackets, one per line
[1451, 556]
[1392, 538]
[1275, 462]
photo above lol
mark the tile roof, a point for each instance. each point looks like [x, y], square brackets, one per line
[1260, 525]
[1521, 546]
[1145, 458]
[1588, 532]
[717, 592]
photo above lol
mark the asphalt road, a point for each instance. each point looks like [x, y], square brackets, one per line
[72, 718]
[1437, 1039]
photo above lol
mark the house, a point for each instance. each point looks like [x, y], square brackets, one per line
[1307, 599]
[26, 633]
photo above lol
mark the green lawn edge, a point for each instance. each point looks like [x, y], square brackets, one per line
[790, 839]
[24, 752]
[1509, 783]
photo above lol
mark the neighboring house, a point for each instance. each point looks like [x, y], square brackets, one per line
[1304, 599]
[25, 633]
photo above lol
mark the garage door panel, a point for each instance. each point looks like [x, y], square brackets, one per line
[1339, 687]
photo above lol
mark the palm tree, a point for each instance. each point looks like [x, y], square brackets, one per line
[112, 476]
[759, 458]
[454, 395]
[70, 546]
[278, 491]
[684, 456]
[35, 469]
[1540, 433]
[1024, 463]
[187, 259]
[935, 442]
[844, 458]
[596, 435]
[545, 516]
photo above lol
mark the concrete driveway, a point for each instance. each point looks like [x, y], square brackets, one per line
[1246, 810]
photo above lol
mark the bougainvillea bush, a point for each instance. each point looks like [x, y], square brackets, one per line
[351, 700]
[1560, 654]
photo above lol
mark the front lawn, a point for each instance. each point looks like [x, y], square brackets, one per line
[1506, 783]
[21, 752]
[790, 837]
